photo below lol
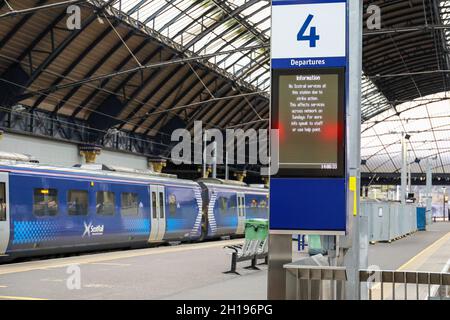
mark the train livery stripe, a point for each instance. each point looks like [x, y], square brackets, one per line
[159, 182]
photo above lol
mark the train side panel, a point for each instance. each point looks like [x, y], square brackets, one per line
[183, 212]
[223, 215]
[56, 213]
[224, 219]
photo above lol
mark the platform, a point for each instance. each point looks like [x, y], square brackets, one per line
[191, 271]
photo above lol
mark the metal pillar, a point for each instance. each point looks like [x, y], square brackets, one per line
[403, 171]
[428, 189]
[227, 174]
[444, 192]
[280, 253]
[214, 165]
[204, 154]
[409, 180]
[353, 246]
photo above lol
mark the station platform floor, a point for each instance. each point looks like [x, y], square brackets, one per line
[190, 271]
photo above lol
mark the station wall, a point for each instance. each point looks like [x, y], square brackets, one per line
[61, 153]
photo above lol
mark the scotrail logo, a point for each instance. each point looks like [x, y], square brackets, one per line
[90, 230]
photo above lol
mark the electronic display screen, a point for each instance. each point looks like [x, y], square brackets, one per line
[308, 109]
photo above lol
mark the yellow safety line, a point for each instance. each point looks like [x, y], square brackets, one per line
[111, 264]
[102, 257]
[438, 243]
[19, 298]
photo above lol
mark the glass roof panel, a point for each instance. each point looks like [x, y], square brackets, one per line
[426, 120]
[209, 26]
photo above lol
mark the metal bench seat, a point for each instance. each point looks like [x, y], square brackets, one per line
[249, 250]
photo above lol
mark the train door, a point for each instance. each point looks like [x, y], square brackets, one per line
[240, 213]
[158, 213]
[4, 212]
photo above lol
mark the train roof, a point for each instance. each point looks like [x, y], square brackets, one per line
[97, 170]
[24, 163]
[232, 184]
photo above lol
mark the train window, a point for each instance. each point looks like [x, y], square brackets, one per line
[161, 204]
[129, 204]
[45, 202]
[223, 204]
[263, 204]
[77, 202]
[232, 202]
[154, 205]
[172, 204]
[105, 203]
[2, 201]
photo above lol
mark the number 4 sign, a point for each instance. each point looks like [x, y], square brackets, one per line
[307, 29]
[312, 37]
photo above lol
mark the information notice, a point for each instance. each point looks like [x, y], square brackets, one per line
[309, 121]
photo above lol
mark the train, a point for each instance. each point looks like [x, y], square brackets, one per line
[47, 210]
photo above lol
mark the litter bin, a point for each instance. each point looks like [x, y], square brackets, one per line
[320, 244]
[315, 245]
[256, 229]
[421, 218]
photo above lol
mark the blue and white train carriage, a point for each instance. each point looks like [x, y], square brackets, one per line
[47, 209]
[230, 203]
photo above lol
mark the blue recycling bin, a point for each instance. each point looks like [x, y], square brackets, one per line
[421, 218]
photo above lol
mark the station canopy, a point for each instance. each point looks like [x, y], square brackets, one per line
[147, 67]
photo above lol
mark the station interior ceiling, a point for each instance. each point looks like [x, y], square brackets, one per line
[138, 69]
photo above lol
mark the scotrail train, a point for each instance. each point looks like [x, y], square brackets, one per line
[47, 210]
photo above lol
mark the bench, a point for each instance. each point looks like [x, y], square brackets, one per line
[251, 250]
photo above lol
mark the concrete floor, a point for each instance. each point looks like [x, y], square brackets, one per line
[428, 251]
[391, 256]
[188, 271]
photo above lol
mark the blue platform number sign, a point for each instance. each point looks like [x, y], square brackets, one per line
[313, 37]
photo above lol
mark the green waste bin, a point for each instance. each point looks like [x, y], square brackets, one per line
[320, 244]
[256, 229]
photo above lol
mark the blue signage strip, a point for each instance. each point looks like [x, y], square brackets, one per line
[294, 63]
[308, 204]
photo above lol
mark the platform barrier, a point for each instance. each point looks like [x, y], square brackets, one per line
[389, 221]
[305, 281]
[406, 285]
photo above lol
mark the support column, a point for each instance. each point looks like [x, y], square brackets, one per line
[157, 165]
[265, 180]
[240, 175]
[428, 189]
[89, 152]
[280, 253]
[354, 243]
[409, 190]
[403, 171]
[205, 171]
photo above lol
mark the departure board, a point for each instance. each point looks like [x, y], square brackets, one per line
[307, 108]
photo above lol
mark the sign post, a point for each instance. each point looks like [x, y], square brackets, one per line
[316, 189]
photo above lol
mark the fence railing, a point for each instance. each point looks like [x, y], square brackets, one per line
[394, 285]
[314, 282]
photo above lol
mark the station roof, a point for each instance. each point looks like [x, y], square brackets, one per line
[148, 66]
[405, 84]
